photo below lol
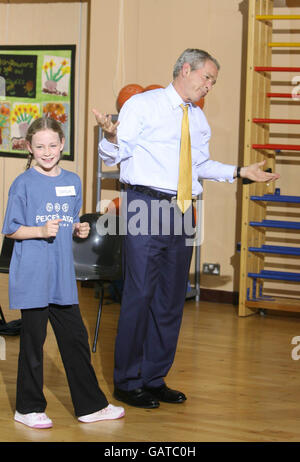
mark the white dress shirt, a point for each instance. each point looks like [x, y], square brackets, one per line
[149, 143]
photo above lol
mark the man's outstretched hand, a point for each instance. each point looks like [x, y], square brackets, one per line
[108, 126]
[255, 172]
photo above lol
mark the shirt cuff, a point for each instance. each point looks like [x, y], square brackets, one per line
[108, 147]
[109, 152]
[231, 170]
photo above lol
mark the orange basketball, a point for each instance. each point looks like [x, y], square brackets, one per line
[114, 206]
[152, 87]
[200, 103]
[126, 92]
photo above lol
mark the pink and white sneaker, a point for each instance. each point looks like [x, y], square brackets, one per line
[110, 412]
[34, 419]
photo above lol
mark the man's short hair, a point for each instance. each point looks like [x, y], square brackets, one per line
[196, 59]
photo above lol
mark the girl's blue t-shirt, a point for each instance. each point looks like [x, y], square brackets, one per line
[42, 270]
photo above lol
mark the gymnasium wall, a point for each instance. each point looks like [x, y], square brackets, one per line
[138, 41]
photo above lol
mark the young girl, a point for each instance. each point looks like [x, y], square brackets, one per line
[42, 213]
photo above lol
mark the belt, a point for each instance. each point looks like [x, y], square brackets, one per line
[151, 192]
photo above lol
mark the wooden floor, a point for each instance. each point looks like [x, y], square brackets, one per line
[238, 374]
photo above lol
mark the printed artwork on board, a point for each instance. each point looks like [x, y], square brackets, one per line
[22, 115]
[34, 82]
[19, 73]
[4, 125]
[56, 75]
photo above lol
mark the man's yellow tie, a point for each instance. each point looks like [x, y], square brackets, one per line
[184, 191]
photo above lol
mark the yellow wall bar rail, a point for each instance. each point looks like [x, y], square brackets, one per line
[284, 44]
[270, 17]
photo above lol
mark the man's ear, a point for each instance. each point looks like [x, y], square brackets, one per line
[186, 69]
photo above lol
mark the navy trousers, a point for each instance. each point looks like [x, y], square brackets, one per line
[156, 268]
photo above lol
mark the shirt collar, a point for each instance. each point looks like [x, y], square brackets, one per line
[174, 98]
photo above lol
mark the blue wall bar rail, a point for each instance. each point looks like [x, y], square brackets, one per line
[276, 275]
[276, 224]
[277, 198]
[277, 249]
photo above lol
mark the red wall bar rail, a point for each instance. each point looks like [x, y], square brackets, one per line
[276, 121]
[276, 69]
[277, 147]
[283, 95]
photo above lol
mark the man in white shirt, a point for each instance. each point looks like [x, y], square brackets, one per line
[146, 142]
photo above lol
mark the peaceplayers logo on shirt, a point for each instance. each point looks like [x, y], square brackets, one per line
[54, 212]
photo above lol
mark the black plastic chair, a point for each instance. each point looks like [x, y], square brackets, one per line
[98, 258]
[6, 253]
[12, 327]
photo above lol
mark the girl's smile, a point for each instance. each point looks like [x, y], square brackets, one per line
[46, 149]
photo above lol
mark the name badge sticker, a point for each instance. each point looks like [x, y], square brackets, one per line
[62, 191]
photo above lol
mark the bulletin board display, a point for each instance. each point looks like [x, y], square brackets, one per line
[35, 81]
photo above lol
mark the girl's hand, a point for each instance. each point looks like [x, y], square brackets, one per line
[81, 230]
[50, 229]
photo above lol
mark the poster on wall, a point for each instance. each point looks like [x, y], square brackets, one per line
[35, 81]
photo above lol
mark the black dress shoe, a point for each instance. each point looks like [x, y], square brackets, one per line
[166, 395]
[138, 398]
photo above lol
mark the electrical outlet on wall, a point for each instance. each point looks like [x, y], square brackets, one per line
[211, 268]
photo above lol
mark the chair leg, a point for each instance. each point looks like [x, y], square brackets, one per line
[98, 318]
[117, 292]
[2, 318]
